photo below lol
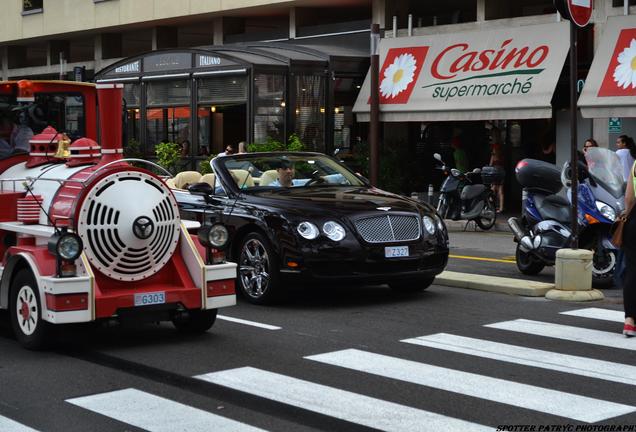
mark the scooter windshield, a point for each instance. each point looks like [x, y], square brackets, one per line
[606, 169]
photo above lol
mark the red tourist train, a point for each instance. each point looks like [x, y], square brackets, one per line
[86, 236]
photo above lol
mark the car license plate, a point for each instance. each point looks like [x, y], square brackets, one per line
[150, 298]
[396, 251]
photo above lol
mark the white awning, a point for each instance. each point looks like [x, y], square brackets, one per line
[610, 86]
[493, 74]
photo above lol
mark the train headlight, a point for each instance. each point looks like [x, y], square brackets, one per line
[216, 236]
[68, 246]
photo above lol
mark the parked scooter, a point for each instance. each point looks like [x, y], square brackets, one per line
[467, 196]
[544, 226]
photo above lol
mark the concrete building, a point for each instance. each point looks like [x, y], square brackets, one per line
[82, 38]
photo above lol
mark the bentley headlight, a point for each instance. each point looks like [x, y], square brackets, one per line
[440, 224]
[308, 230]
[606, 210]
[216, 236]
[429, 224]
[66, 245]
[334, 230]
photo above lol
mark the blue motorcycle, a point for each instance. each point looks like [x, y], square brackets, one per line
[544, 226]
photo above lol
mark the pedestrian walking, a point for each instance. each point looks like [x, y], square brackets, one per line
[629, 250]
[626, 151]
[497, 160]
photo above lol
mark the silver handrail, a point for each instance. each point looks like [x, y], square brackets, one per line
[129, 160]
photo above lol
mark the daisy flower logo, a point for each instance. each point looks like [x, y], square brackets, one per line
[620, 75]
[399, 73]
[625, 72]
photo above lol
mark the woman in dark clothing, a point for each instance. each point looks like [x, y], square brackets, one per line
[629, 249]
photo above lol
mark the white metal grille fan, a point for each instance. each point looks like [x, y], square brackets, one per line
[129, 223]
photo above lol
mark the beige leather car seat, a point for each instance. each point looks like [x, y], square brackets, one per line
[186, 178]
[242, 178]
[208, 178]
[268, 177]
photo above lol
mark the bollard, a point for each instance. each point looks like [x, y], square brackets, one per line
[431, 193]
[573, 276]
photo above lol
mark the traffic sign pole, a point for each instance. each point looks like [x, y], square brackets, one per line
[579, 13]
[574, 154]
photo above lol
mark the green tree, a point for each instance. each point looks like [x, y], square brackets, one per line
[168, 155]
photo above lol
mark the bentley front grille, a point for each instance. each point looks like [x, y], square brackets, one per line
[389, 228]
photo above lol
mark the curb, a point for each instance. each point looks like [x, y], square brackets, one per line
[519, 287]
[459, 225]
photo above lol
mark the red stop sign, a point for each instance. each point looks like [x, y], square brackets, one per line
[580, 11]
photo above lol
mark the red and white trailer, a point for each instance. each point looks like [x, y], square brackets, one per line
[85, 236]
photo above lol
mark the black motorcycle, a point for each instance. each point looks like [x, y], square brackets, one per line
[468, 196]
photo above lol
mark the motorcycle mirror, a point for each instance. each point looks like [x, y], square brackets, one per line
[566, 175]
[437, 156]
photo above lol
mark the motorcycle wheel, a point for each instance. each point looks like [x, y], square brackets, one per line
[603, 267]
[528, 264]
[488, 216]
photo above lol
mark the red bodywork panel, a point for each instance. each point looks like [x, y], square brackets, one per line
[44, 261]
[173, 279]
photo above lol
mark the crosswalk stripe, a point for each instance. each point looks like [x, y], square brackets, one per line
[8, 425]
[341, 404]
[564, 332]
[156, 414]
[540, 399]
[598, 313]
[583, 366]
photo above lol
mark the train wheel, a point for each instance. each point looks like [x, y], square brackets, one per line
[25, 312]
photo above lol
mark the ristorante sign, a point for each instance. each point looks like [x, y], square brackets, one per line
[470, 75]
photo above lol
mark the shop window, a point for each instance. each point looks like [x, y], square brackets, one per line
[269, 107]
[132, 93]
[310, 111]
[499, 9]
[621, 3]
[31, 6]
[168, 124]
[222, 89]
[168, 92]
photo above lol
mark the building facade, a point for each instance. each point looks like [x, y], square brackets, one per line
[89, 39]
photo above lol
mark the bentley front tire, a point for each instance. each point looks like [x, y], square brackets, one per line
[197, 321]
[258, 277]
[412, 285]
[25, 312]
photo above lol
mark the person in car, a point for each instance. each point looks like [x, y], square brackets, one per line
[285, 172]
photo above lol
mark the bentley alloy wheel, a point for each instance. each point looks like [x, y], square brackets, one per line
[258, 272]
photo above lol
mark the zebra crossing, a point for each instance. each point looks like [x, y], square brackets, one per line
[150, 412]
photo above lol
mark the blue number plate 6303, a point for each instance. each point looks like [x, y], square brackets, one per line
[146, 299]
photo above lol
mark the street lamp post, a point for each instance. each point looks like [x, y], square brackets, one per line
[374, 118]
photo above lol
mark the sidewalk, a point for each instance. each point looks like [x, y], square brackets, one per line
[501, 225]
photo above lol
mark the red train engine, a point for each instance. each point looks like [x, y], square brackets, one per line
[85, 236]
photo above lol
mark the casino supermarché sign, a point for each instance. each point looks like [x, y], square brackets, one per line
[486, 70]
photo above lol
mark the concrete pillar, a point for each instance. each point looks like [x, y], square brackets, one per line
[292, 23]
[218, 31]
[378, 13]
[481, 10]
[5, 63]
[97, 52]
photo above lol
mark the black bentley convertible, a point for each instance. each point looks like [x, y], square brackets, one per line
[306, 216]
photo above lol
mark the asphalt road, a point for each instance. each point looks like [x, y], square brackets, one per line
[334, 358]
